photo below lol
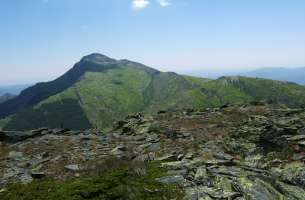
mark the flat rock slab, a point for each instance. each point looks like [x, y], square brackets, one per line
[73, 167]
[178, 179]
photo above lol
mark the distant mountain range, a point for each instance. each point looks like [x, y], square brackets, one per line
[296, 75]
[13, 89]
[99, 90]
[6, 97]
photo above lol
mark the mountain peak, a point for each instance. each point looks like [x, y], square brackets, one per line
[98, 58]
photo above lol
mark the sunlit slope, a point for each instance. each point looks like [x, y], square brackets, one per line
[241, 89]
[108, 92]
[97, 99]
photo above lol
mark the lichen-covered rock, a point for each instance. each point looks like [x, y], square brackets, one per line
[172, 179]
[254, 188]
[294, 173]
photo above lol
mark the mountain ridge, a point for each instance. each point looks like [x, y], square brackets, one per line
[98, 90]
[296, 75]
[92, 62]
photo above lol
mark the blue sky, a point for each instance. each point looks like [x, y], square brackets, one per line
[41, 39]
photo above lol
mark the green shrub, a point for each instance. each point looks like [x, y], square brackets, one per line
[111, 185]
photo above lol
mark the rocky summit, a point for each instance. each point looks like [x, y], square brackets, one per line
[244, 152]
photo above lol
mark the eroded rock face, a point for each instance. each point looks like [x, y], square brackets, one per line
[233, 152]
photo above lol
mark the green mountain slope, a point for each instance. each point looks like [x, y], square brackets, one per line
[99, 90]
[243, 89]
[41, 91]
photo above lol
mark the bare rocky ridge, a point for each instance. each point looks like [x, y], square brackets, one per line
[239, 152]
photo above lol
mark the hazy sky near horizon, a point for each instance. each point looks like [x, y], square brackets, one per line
[41, 39]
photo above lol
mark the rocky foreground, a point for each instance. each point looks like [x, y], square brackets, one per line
[233, 152]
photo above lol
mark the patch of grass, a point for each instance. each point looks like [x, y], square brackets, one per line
[116, 184]
[3, 122]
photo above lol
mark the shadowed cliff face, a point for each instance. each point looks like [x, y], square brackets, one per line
[50, 115]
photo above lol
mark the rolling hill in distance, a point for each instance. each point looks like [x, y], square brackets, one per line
[5, 97]
[99, 90]
[296, 75]
[13, 89]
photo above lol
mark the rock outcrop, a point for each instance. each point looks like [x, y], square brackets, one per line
[233, 152]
